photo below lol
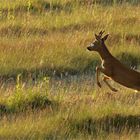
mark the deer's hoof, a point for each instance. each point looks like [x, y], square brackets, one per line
[98, 83]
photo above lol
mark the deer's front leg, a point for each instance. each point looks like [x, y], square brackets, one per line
[98, 70]
[105, 80]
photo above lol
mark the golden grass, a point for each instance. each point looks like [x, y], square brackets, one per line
[39, 38]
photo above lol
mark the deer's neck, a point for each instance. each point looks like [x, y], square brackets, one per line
[104, 53]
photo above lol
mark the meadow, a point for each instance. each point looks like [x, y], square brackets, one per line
[47, 85]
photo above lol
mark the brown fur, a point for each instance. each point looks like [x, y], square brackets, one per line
[113, 68]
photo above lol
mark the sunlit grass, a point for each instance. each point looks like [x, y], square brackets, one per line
[40, 38]
[69, 115]
[57, 40]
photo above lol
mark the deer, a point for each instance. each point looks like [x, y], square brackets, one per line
[112, 68]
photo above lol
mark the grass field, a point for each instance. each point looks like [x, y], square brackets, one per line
[47, 84]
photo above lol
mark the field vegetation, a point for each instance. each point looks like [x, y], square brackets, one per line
[47, 84]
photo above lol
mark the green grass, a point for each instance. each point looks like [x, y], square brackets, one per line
[48, 90]
[32, 115]
[56, 41]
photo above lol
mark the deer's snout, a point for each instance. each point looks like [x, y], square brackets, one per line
[89, 48]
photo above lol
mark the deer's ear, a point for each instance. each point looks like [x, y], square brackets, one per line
[105, 37]
[97, 37]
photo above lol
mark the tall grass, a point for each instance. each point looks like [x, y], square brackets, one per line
[55, 42]
[39, 113]
[47, 82]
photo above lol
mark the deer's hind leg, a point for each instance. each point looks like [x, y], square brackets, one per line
[105, 78]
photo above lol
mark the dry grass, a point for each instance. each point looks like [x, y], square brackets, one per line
[49, 38]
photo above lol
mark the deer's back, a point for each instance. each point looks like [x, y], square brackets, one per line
[125, 76]
[124, 71]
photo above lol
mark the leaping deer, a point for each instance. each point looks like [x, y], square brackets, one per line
[113, 68]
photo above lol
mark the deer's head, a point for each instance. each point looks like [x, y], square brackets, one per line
[98, 43]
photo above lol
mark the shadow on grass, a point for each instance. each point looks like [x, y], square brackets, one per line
[22, 104]
[130, 38]
[43, 5]
[44, 71]
[37, 73]
[19, 31]
[128, 59]
[38, 7]
[34, 74]
[115, 123]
